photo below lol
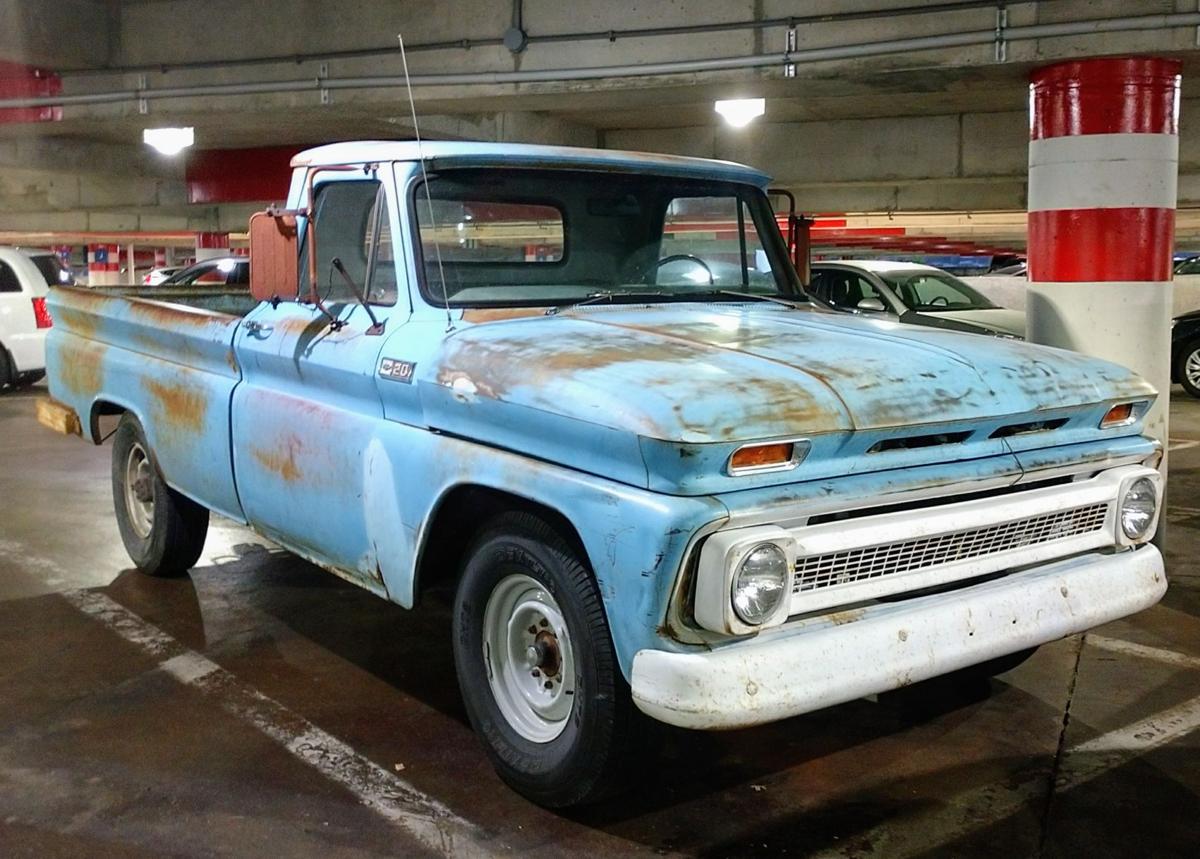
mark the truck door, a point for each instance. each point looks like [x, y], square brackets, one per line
[309, 406]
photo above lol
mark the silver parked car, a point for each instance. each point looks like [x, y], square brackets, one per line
[913, 293]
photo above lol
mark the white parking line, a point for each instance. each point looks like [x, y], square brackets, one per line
[1081, 763]
[1180, 443]
[393, 798]
[1170, 657]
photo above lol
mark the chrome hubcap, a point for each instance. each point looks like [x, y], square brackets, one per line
[139, 490]
[530, 664]
[1191, 368]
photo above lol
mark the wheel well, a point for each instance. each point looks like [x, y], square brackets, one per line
[462, 513]
[102, 408]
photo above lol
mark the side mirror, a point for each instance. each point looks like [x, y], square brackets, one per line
[873, 305]
[274, 260]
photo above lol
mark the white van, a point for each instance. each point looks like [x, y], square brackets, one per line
[25, 278]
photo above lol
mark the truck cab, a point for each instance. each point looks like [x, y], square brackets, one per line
[584, 390]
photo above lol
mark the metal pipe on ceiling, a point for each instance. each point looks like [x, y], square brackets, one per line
[810, 55]
[581, 36]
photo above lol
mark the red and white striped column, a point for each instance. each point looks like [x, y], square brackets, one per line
[210, 245]
[104, 265]
[1103, 168]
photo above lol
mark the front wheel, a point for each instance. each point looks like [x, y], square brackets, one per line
[163, 531]
[537, 668]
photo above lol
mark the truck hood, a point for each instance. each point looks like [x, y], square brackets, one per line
[720, 373]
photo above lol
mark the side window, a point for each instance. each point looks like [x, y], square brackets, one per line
[351, 224]
[819, 285]
[846, 289]
[8, 279]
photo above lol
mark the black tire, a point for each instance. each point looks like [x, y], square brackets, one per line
[168, 541]
[31, 378]
[1189, 349]
[6, 372]
[590, 758]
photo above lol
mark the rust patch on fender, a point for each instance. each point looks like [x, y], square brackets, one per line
[282, 461]
[177, 405]
[81, 370]
[77, 322]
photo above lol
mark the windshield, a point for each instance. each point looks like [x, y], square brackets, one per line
[53, 270]
[931, 291]
[539, 237]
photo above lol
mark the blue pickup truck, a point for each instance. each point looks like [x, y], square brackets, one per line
[586, 391]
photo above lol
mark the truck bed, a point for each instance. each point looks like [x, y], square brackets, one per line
[167, 359]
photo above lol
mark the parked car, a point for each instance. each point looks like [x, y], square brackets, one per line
[218, 271]
[913, 293]
[651, 496]
[1188, 265]
[157, 275]
[25, 278]
[1185, 352]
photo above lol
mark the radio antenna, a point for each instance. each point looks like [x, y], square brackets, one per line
[437, 247]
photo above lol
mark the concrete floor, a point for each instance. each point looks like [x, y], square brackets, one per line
[263, 707]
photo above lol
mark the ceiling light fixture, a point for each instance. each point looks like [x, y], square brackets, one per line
[739, 112]
[169, 141]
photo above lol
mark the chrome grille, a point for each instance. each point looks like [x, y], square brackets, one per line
[889, 559]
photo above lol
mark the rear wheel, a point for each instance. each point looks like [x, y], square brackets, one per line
[537, 668]
[30, 378]
[6, 371]
[1187, 368]
[163, 531]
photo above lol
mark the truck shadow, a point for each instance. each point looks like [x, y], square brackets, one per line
[260, 612]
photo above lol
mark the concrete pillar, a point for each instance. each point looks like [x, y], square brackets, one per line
[209, 245]
[104, 267]
[1103, 166]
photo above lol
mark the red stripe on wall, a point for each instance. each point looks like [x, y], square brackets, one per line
[1124, 95]
[1083, 245]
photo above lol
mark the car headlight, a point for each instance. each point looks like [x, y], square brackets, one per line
[760, 584]
[1138, 507]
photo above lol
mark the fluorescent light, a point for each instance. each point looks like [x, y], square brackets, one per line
[738, 112]
[169, 141]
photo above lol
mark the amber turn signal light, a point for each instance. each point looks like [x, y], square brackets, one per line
[753, 457]
[1118, 416]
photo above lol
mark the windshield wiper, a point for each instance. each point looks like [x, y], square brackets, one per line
[605, 295]
[775, 299]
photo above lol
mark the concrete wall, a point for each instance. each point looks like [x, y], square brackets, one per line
[57, 34]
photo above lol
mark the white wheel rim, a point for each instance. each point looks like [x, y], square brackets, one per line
[1191, 368]
[530, 663]
[139, 490]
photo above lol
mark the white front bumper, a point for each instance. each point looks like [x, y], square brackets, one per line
[824, 661]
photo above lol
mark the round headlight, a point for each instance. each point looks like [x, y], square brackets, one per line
[760, 583]
[1138, 507]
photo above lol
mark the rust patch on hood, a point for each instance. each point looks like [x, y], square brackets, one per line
[176, 405]
[494, 314]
